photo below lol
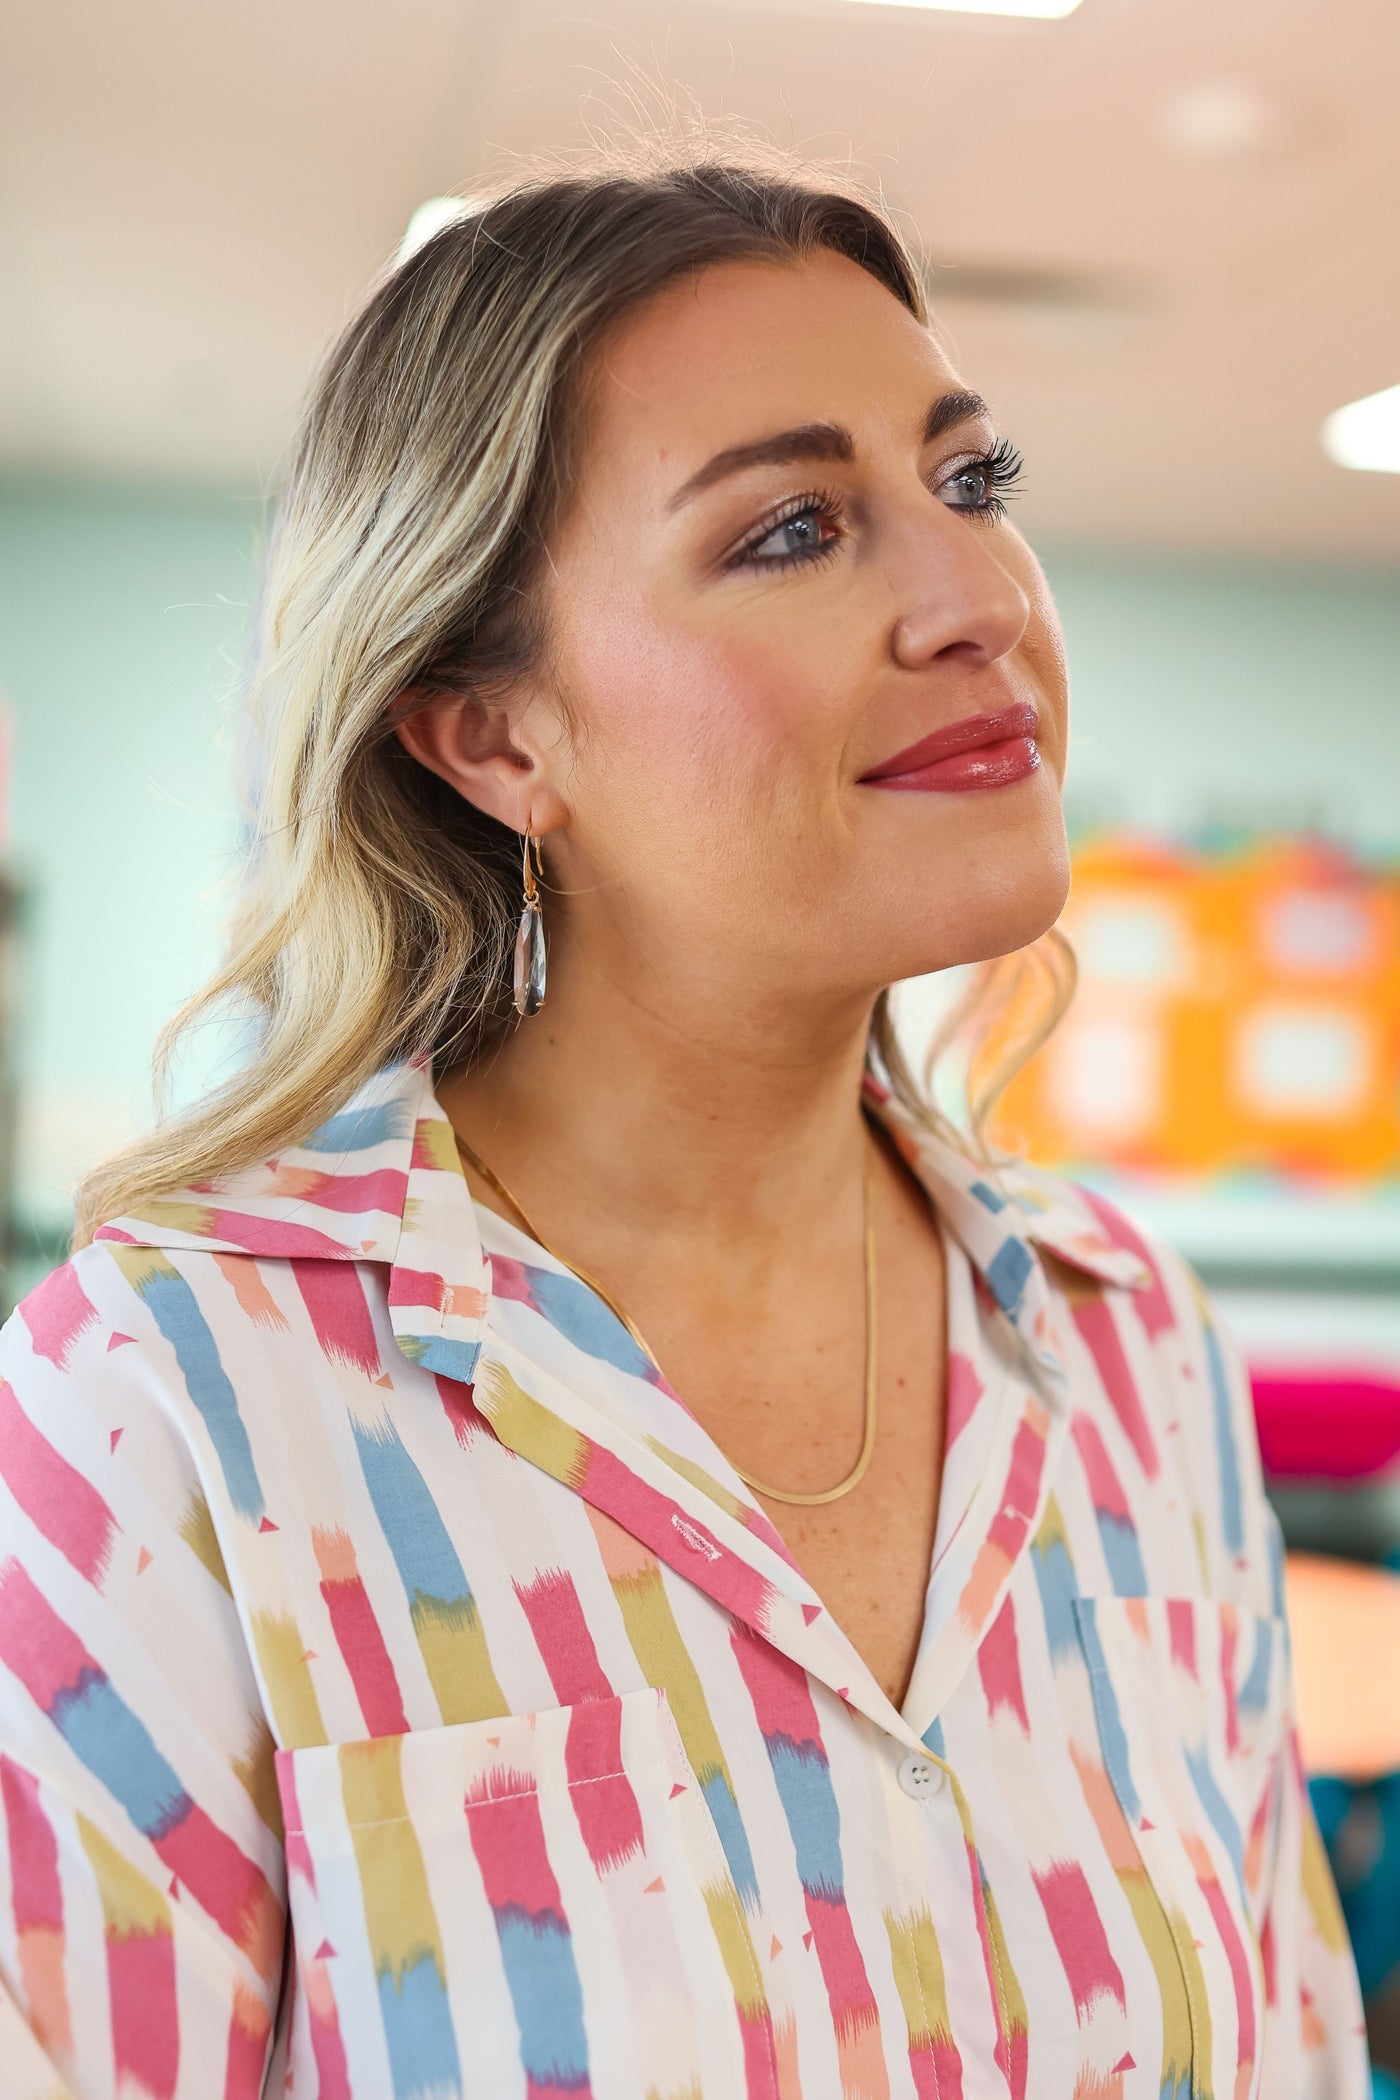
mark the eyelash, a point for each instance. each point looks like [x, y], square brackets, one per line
[1003, 466]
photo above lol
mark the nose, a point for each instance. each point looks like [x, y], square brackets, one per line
[960, 601]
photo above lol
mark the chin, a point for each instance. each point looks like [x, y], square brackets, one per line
[984, 913]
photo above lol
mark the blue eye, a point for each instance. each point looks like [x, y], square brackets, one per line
[805, 530]
[981, 486]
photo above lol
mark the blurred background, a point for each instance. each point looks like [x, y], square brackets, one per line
[1162, 237]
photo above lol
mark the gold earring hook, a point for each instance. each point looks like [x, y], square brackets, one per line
[533, 863]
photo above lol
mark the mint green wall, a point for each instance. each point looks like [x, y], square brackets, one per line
[122, 613]
[1236, 694]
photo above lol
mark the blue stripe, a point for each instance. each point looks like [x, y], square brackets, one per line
[804, 1788]
[1007, 1272]
[1058, 1586]
[116, 1747]
[1112, 1740]
[445, 1359]
[1254, 1692]
[539, 1962]
[418, 2029]
[184, 1326]
[356, 1129]
[1217, 1808]
[410, 1520]
[582, 1318]
[724, 1814]
[987, 1196]
[1123, 1554]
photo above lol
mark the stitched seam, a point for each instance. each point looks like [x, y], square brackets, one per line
[523, 1793]
[908, 1913]
[667, 1722]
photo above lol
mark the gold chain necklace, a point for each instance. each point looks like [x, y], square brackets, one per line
[867, 1445]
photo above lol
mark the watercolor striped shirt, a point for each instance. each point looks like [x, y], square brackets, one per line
[400, 1694]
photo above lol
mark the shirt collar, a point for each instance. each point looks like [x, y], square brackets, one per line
[381, 1181]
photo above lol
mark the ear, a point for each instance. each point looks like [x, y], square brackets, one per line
[488, 754]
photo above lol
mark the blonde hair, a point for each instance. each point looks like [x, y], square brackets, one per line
[432, 462]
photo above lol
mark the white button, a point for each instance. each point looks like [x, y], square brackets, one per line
[919, 1777]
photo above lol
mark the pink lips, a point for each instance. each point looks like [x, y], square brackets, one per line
[981, 751]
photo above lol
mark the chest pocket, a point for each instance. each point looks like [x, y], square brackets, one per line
[1189, 1698]
[503, 1907]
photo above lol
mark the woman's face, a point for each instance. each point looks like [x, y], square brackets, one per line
[786, 564]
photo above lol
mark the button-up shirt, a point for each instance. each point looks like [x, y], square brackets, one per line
[401, 1695]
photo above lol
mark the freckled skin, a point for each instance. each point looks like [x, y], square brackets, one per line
[726, 898]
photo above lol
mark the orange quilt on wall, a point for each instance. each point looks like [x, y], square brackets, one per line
[1235, 1012]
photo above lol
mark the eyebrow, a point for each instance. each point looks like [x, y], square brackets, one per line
[817, 441]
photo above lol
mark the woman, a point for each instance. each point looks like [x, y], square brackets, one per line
[791, 1610]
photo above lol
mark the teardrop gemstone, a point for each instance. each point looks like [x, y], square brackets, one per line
[529, 963]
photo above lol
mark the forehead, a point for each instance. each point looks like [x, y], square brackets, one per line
[740, 350]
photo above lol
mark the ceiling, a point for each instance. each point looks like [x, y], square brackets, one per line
[1167, 226]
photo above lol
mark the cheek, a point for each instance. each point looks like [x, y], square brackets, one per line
[703, 727]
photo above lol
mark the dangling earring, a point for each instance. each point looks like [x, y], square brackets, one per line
[529, 941]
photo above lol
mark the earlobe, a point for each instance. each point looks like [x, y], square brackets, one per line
[473, 748]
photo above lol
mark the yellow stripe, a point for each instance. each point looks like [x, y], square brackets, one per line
[197, 1531]
[453, 1644]
[131, 1904]
[399, 1914]
[295, 1707]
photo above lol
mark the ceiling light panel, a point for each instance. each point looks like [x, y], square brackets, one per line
[1041, 10]
[1366, 433]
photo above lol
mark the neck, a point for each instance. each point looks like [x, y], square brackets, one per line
[672, 1106]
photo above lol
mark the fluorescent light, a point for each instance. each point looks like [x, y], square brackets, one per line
[428, 219]
[1366, 433]
[1042, 10]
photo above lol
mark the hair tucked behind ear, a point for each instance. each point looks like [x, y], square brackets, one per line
[432, 462]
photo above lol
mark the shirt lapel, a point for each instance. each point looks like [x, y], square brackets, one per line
[1008, 1399]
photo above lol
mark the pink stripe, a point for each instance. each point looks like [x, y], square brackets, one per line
[270, 1235]
[1078, 1932]
[613, 1488]
[1104, 1484]
[56, 1313]
[847, 1985]
[1152, 1305]
[999, 1662]
[334, 1296]
[1181, 1622]
[459, 1406]
[52, 1493]
[34, 1884]
[1229, 1641]
[561, 1633]
[45, 1655]
[508, 1840]
[145, 2015]
[609, 1819]
[1011, 1523]
[248, 2033]
[965, 1389]
[760, 2056]
[779, 1689]
[1094, 1319]
[360, 1640]
[298, 1851]
[230, 1886]
[386, 1189]
[1234, 1947]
